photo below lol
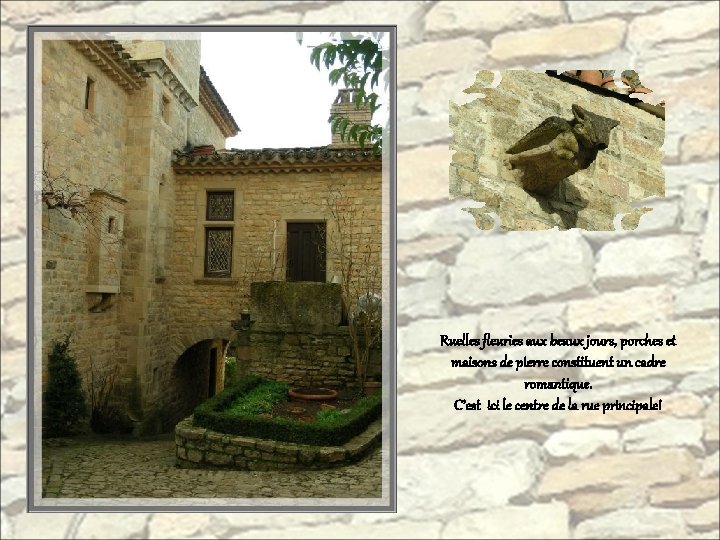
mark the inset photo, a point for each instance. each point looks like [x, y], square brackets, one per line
[213, 324]
[563, 150]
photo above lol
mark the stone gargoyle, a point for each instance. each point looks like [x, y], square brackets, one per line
[558, 148]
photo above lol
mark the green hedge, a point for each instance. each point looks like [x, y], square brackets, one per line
[332, 431]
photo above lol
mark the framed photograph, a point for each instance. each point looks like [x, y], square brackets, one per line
[213, 268]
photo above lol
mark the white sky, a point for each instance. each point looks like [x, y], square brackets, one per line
[277, 97]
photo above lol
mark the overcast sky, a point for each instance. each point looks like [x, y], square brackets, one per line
[277, 97]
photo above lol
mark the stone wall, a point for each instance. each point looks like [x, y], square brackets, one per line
[74, 248]
[202, 130]
[105, 281]
[301, 355]
[264, 203]
[484, 129]
[181, 55]
[185, 384]
[198, 447]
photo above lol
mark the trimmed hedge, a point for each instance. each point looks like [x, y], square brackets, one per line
[214, 414]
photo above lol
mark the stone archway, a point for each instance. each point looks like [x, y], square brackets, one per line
[197, 374]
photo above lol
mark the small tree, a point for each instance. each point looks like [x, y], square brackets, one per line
[65, 405]
[106, 415]
[354, 245]
[358, 61]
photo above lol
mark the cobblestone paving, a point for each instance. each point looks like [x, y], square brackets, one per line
[94, 467]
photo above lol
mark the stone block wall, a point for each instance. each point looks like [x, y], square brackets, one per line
[484, 129]
[77, 251]
[301, 355]
[116, 154]
[202, 130]
[181, 54]
[297, 303]
[263, 206]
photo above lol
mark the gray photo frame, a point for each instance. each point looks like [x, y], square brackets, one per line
[36, 502]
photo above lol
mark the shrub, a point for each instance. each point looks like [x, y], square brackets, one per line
[334, 429]
[65, 405]
[230, 370]
[260, 399]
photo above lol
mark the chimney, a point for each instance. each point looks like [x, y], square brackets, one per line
[344, 105]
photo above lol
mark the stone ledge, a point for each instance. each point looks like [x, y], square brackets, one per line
[201, 448]
[290, 328]
[215, 281]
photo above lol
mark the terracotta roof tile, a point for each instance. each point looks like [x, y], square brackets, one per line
[111, 57]
[211, 100]
[277, 160]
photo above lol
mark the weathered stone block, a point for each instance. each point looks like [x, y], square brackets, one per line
[295, 302]
[307, 455]
[266, 446]
[251, 454]
[279, 458]
[217, 458]
[330, 454]
[233, 450]
[196, 456]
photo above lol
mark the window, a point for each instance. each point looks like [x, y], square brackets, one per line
[112, 225]
[218, 251]
[165, 109]
[306, 251]
[220, 205]
[217, 229]
[89, 95]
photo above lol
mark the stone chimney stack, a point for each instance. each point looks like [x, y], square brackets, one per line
[344, 105]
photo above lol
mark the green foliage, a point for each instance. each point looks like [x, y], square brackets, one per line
[334, 429]
[230, 370]
[260, 399]
[361, 59]
[64, 404]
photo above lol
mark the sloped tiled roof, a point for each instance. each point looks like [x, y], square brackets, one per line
[655, 110]
[211, 100]
[111, 57]
[276, 160]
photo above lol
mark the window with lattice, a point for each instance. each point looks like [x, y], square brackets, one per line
[218, 251]
[220, 205]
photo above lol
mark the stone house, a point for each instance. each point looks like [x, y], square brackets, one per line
[152, 231]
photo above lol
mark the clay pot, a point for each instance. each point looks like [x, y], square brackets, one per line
[313, 394]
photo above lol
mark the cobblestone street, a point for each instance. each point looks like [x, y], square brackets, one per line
[96, 467]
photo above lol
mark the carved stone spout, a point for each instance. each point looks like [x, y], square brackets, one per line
[558, 148]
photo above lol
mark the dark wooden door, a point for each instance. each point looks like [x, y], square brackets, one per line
[306, 251]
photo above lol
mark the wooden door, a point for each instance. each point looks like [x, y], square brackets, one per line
[306, 251]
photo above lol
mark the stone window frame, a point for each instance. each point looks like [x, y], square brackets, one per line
[202, 224]
[207, 272]
[165, 108]
[90, 97]
[306, 217]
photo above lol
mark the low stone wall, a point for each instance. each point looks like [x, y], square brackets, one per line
[201, 448]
